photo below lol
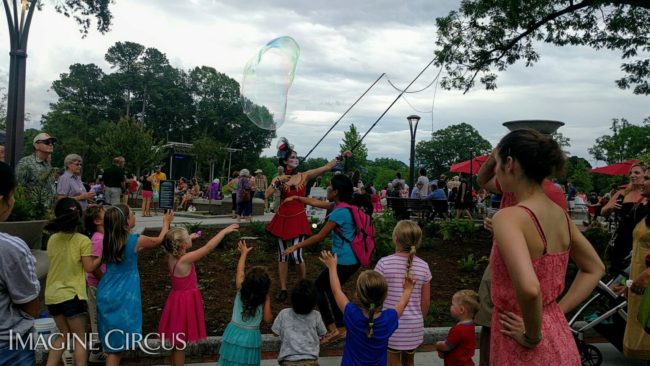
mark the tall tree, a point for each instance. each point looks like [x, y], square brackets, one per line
[219, 115]
[450, 145]
[628, 141]
[130, 140]
[79, 117]
[359, 156]
[19, 22]
[577, 173]
[126, 58]
[485, 34]
[207, 151]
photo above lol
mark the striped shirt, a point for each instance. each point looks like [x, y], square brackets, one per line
[410, 333]
[18, 285]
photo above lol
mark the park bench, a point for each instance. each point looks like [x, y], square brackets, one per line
[405, 208]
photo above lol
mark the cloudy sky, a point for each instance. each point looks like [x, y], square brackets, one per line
[345, 46]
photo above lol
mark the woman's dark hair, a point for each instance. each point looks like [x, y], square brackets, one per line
[304, 297]
[145, 172]
[68, 216]
[356, 177]
[92, 213]
[423, 171]
[538, 155]
[343, 187]
[7, 180]
[254, 290]
[284, 152]
[398, 175]
[364, 202]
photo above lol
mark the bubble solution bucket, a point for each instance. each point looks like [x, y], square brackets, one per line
[43, 328]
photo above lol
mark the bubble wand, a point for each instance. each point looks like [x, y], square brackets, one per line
[343, 115]
[391, 106]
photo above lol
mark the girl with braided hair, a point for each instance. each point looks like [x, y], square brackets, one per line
[369, 327]
[289, 224]
[407, 237]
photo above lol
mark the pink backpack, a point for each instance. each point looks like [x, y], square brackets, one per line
[363, 243]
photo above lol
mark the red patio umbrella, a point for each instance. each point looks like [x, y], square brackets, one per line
[464, 167]
[622, 168]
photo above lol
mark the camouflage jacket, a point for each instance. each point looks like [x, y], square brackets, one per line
[38, 179]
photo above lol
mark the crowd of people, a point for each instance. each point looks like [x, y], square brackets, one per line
[521, 303]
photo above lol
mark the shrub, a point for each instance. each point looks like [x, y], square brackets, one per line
[431, 229]
[384, 225]
[599, 238]
[471, 264]
[192, 227]
[258, 228]
[457, 229]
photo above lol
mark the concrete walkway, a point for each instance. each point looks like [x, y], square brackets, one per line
[611, 357]
[155, 222]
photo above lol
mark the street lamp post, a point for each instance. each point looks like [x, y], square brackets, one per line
[413, 126]
[230, 151]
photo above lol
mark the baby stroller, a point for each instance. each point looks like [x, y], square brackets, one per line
[608, 318]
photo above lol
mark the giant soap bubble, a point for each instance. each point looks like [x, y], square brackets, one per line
[266, 82]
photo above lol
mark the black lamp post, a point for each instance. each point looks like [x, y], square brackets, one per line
[413, 125]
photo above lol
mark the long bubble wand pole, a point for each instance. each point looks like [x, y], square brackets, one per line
[391, 105]
[343, 115]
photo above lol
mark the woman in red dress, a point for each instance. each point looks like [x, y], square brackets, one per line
[289, 224]
[533, 242]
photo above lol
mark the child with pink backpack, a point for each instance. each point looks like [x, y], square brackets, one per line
[352, 242]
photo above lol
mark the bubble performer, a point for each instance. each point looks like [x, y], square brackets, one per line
[289, 224]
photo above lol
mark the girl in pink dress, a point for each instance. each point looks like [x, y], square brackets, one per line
[533, 242]
[407, 237]
[182, 319]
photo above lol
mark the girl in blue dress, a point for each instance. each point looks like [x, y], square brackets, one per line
[242, 340]
[119, 308]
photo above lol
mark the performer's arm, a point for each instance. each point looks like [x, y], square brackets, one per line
[315, 239]
[312, 174]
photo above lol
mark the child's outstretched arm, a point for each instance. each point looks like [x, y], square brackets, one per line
[241, 265]
[147, 242]
[409, 283]
[201, 252]
[311, 201]
[330, 261]
[267, 315]
[91, 263]
[314, 239]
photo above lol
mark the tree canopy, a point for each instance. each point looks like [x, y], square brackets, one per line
[628, 141]
[450, 145]
[487, 35]
[168, 103]
[360, 155]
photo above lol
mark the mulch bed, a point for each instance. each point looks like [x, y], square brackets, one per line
[216, 276]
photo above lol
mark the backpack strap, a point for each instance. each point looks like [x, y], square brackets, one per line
[338, 230]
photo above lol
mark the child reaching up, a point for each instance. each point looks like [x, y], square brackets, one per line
[94, 225]
[65, 289]
[300, 327]
[182, 318]
[242, 341]
[119, 307]
[368, 327]
[407, 237]
[459, 347]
